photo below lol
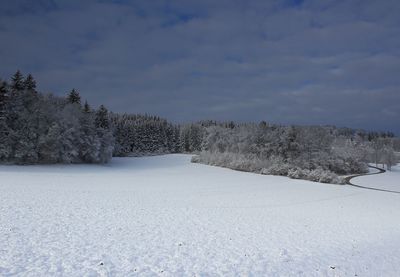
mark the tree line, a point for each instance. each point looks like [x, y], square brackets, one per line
[43, 128]
[316, 153]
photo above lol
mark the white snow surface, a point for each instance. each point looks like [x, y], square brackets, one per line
[390, 180]
[164, 216]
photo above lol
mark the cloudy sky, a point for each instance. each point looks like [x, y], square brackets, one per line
[283, 61]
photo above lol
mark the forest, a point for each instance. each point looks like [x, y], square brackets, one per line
[315, 153]
[38, 128]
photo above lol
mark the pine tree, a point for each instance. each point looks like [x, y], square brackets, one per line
[49, 146]
[25, 151]
[5, 145]
[3, 99]
[195, 137]
[176, 140]
[89, 144]
[17, 82]
[185, 139]
[86, 107]
[74, 97]
[102, 123]
[15, 111]
[70, 133]
[30, 83]
[102, 119]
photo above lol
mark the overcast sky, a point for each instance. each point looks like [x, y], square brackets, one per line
[290, 61]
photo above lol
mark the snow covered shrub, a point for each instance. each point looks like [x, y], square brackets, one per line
[277, 169]
[195, 159]
[243, 163]
[298, 173]
[323, 176]
[315, 175]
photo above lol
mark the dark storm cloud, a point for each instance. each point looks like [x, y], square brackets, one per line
[289, 61]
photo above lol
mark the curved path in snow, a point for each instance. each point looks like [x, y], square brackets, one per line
[380, 171]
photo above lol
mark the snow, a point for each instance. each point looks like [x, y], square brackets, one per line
[388, 181]
[164, 216]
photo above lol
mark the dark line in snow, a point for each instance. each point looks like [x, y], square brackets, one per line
[347, 179]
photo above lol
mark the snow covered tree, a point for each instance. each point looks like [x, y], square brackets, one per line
[377, 145]
[74, 97]
[143, 134]
[70, 133]
[17, 82]
[49, 146]
[5, 149]
[389, 157]
[86, 108]
[89, 143]
[15, 101]
[196, 137]
[37, 128]
[102, 123]
[30, 83]
[102, 119]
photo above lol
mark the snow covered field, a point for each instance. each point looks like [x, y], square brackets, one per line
[163, 216]
[388, 181]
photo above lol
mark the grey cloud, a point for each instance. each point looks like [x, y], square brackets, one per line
[318, 62]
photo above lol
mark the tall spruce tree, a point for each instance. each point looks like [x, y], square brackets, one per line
[17, 82]
[89, 144]
[86, 108]
[104, 133]
[5, 145]
[30, 83]
[15, 112]
[3, 99]
[102, 119]
[74, 97]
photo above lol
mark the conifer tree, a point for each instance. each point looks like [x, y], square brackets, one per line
[17, 82]
[102, 123]
[89, 144]
[30, 83]
[15, 109]
[5, 149]
[74, 97]
[86, 107]
[102, 119]
[3, 99]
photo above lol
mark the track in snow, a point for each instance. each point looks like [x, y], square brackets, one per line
[348, 180]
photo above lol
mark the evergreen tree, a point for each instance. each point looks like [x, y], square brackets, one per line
[102, 119]
[89, 144]
[102, 123]
[86, 107]
[24, 148]
[70, 133]
[3, 99]
[30, 83]
[176, 142]
[17, 82]
[49, 146]
[196, 137]
[36, 128]
[74, 97]
[15, 102]
[185, 139]
[5, 149]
